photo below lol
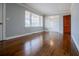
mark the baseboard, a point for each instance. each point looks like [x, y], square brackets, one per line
[46, 30]
[77, 46]
[7, 38]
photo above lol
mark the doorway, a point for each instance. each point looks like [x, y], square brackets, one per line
[67, 32]
[67, 24]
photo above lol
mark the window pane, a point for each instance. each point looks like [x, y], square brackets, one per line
[41, 21]
[27, 19]
[35, 20]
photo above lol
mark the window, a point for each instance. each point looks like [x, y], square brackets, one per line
[41, 21]
[27, 19]
[33, 20]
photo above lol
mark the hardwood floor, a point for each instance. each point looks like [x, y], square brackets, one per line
[41, 44]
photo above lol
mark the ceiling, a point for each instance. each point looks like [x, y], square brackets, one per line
[51, 8]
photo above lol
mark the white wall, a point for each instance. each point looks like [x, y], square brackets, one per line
[15, 21]
[54, 23]
[75, 24]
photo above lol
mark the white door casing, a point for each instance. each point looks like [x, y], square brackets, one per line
[1, 22]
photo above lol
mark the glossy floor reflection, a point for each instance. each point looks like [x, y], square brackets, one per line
[41, 44]
[33, 46]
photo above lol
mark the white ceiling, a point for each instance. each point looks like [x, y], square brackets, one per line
[51, 8]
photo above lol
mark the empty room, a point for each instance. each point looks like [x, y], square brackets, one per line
[39, 29]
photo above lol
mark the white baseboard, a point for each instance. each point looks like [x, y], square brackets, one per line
[7, 38]
[46, 30]
[77, 46]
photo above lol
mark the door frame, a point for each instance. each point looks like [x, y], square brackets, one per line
[4, 21]
[70, 23]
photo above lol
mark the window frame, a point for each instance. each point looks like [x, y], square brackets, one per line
[40, 21]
